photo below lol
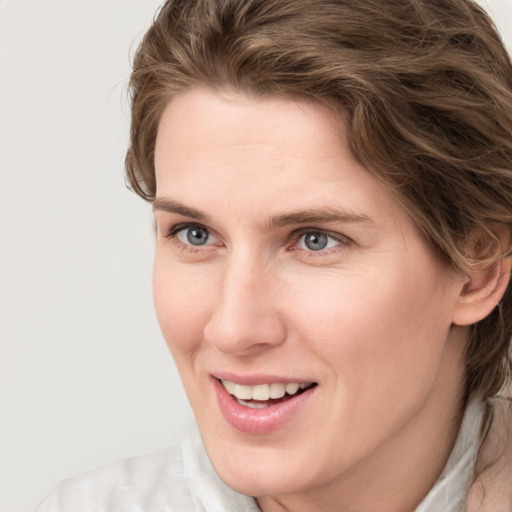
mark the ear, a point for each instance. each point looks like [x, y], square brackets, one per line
[484, 286]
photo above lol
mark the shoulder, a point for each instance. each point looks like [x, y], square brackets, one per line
[179, 478]
[130, 484]
[491, 490]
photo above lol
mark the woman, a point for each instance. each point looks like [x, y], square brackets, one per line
[332, 188]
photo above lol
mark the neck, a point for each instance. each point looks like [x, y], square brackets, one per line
[397, 476]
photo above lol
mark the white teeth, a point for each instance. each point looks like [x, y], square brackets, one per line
[291, 389]
[243, 392]
[277, 390]
[230, 386]
[262, 392]
[253, 405]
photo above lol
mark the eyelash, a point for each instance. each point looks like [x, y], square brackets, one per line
[176, 229]
[342, 241]
[295, 237]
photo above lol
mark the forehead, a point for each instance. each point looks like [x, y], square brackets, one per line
[261, 155]
[215, 120]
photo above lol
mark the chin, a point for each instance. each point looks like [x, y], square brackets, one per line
[258, 482]
[261, 470]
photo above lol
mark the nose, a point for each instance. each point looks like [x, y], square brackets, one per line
[246, 317]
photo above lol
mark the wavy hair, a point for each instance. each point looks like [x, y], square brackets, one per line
[425, 86]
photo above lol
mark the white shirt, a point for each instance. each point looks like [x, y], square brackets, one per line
[182, 479]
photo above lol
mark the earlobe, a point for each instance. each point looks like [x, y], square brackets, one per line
[481, 292]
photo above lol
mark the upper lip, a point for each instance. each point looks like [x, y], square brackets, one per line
[258, 378]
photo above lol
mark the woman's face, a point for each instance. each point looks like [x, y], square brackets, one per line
[280, 262]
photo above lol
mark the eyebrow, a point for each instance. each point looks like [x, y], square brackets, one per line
[317, 215]
[172, 206]
[313, 215]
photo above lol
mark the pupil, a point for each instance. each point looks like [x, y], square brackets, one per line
[197, 235]
[316, 241]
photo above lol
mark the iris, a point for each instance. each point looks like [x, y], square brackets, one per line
[316, 241]
[197, 235]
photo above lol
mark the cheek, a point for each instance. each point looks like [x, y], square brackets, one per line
[181, 303]
[375, 326]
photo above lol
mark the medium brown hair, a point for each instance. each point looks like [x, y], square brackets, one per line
[426, 87]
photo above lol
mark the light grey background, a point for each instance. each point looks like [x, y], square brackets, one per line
[85, 375]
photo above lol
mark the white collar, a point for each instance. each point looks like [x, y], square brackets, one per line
[451, 489]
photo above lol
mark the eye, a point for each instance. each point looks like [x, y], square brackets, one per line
[196, 235]
[317, 241]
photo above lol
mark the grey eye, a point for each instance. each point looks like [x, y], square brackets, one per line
[194, 235]
[316, 241]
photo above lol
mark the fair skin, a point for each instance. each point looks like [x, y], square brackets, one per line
[280, 259]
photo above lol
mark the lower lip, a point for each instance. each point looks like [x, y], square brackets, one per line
[259, 421]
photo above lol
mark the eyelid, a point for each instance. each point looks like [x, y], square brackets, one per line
[295, 236]
[182, 226]
[342, 243]
[332, 234]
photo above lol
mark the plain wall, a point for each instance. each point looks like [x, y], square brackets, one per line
[86, 377]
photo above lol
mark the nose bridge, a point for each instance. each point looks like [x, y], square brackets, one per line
[245, 315]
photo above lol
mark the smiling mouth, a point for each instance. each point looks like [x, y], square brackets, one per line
[262, 396]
